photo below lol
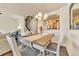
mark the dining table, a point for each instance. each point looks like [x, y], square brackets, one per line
[5, 49]
[38, 41]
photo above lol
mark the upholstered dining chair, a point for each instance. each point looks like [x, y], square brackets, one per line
[24, 51]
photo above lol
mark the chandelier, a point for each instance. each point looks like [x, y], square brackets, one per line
[41, 16]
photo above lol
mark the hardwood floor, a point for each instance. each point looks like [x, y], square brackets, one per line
[63, 51]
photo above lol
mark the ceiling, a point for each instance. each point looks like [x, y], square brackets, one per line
[25, 9]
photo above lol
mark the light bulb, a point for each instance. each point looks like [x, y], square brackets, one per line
[45, 16]
[36, 16]
[19, 27]
[40, 14]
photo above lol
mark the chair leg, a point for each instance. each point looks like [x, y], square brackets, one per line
[43, 53]
[39, 54]
[47, 52]
[58, 50]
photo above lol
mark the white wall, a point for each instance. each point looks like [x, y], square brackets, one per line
[7, 23]
[64, 22]
[72, 36]
[34, 25]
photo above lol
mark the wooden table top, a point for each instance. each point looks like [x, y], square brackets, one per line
[34, 37]
[43, 40]
[4, 47]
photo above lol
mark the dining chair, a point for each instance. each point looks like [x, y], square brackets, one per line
[53, 48]
[24, 51]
